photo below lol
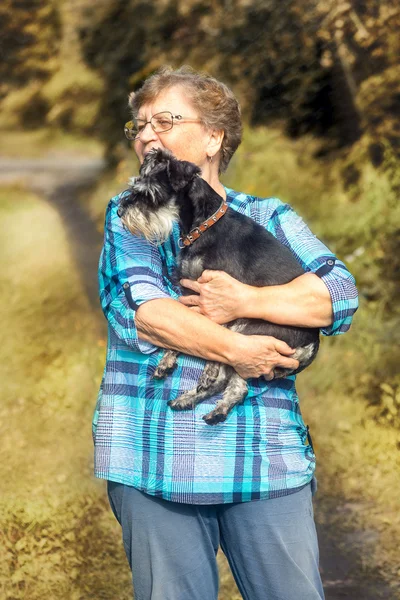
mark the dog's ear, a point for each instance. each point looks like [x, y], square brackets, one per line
[181, 172]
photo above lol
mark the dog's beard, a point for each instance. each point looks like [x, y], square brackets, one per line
[156, 227]
[148, 214]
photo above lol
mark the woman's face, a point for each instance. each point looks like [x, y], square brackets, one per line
[186, 140]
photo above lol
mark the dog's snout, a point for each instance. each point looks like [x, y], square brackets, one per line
[152, 160]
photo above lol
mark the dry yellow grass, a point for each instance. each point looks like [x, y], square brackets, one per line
[46, 142]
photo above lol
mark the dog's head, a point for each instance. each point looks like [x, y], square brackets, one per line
[180, 173]
[150, 207]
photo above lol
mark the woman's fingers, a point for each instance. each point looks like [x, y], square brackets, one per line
[190, 284]
[283, 347]
[221, 297]
[195, 309]
[209, 275]
[256, 356]
[189, 300]
[287, 363]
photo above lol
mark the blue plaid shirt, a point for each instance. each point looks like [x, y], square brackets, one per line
[261, 450]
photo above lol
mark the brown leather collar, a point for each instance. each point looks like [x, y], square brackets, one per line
[195, 233]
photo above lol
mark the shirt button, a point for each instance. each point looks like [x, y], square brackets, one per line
[125, 286]
[330, 262]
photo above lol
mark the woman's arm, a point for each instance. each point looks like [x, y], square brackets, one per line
[168, 324]
[324, 297]
[304, 302]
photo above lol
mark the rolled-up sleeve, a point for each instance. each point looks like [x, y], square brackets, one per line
[130, 273]
[315, 257]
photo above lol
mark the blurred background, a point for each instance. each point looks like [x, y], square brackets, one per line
[319, 84]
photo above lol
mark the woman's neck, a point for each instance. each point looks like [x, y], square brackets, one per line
[210, 174]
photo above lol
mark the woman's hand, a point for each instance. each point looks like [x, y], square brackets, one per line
[257, 355]
[221, 298]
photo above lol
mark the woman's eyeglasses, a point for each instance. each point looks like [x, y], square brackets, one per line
[160, 122]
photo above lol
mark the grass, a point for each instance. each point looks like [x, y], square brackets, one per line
[46, 142]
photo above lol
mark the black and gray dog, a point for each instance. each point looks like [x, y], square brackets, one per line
[213, 237]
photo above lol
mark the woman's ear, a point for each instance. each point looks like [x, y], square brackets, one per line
[215, 141]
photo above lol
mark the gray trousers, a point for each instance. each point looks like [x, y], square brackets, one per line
[271, 546]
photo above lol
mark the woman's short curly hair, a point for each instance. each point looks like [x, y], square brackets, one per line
[215, 102]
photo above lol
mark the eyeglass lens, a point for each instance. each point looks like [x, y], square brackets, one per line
[160, 122]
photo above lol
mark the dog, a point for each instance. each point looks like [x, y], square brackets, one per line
[213, 236]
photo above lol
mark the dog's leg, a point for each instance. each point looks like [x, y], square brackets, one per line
[235, 393]
[209, 376]
[166, 365]
[190, 399]
[304, 354]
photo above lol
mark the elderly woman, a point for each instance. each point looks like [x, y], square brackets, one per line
[178, 487]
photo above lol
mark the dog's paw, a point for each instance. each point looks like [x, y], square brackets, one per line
[186, 401]
[160, 373]
[215, 416]
[166, 366]
[163, 371]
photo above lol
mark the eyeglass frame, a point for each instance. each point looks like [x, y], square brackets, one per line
[128, 129]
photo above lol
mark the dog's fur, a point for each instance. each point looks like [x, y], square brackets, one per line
[168, 190]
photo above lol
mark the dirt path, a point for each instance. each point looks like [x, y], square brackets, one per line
[60, 180]
[340, 563]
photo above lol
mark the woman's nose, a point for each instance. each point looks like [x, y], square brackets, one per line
[147, 134]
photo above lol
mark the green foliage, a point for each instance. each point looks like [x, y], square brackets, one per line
[304, 62]
[74, 97]
[387, 409]
[29, 42]
[379, 101]
[263, 52]
[43, 80]
[324, 67]
[24, 107]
